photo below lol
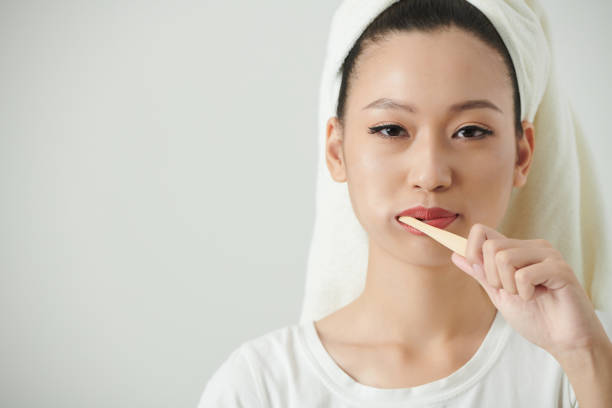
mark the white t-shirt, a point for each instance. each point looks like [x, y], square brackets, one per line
[289, 367]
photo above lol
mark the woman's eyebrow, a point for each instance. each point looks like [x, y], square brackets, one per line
[387, 103]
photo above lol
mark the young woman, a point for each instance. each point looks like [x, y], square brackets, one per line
[428, 121]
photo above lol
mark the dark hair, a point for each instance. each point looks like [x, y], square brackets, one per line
[428, 16]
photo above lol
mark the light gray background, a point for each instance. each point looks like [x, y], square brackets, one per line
[157, 174]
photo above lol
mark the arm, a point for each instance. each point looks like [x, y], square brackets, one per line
[589, 371]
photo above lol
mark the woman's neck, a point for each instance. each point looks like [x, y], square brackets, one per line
[418, 306]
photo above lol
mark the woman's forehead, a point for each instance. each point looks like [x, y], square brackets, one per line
[425, 68]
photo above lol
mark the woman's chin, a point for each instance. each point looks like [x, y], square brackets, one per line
[428, 252]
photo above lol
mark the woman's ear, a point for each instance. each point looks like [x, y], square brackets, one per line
[524, 149]
[334, 150]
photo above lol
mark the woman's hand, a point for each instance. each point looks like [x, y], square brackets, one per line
[534, 289]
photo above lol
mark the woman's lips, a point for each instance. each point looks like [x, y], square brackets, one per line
[436, 222]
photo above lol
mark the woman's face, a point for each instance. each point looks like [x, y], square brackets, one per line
[463, 160]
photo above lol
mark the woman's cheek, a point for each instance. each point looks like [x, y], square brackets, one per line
[372, 187]
[489, 185]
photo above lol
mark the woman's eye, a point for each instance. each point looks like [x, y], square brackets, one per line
[392, 130]
[470, 129]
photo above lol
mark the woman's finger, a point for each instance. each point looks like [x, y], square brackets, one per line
[489, 249]
[524, 280]
[498, 268]
[552, 274]
[509, 260]
[479, 233]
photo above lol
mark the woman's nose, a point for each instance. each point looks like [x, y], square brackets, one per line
[429, 169]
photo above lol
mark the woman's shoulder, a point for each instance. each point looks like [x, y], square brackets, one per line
[268, 352]
[272, 343]
[238, 378]
[232, 384]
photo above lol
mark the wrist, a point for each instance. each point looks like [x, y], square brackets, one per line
[586, 356]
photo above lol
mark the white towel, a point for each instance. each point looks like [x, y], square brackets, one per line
[559, 202]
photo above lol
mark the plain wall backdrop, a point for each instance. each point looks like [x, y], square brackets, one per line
[158, 175]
